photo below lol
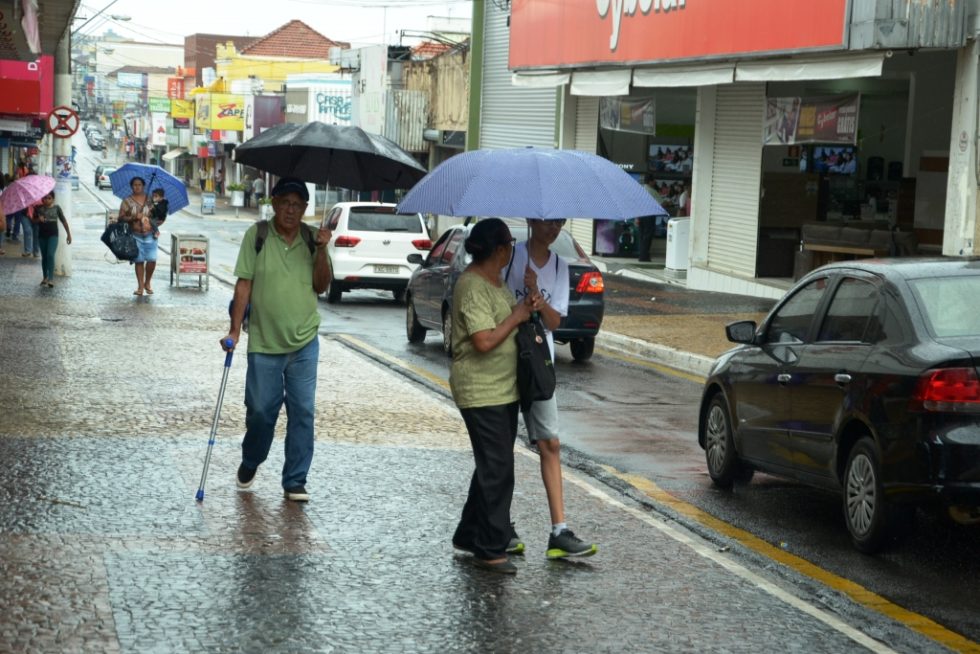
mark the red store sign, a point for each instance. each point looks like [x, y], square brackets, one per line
[175, 88]
[547, 34]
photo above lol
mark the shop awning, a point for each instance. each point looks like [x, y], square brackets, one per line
[540, 80]
[602, 83]
[702, 75]
[170, 155]
[791, 70]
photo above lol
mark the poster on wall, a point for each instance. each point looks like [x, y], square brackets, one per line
[828, 119]
[628, 114]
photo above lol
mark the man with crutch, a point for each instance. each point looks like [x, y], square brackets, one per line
[282, 267]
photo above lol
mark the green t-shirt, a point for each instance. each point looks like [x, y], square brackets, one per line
[489, 378]
[284, 316]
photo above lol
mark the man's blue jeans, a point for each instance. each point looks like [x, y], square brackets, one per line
[271, 380]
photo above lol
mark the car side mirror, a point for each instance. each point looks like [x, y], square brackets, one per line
[741, 331]
[415, 258]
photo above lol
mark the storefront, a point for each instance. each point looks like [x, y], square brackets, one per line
[219, 120]
[785, 116]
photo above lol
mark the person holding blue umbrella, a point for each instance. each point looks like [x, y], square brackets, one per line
[135, 210]
[130, 183]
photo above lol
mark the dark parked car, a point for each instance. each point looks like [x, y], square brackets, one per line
[862, 380]
[430, 290]
[98, 173]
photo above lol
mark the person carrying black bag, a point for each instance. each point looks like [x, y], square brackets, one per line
[536, 270]
[483, 380]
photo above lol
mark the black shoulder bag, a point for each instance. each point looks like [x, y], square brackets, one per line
[119, 238]
[535, 369]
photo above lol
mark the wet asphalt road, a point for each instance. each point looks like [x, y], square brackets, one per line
[643, 422]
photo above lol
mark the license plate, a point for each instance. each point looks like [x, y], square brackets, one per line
[385, 270]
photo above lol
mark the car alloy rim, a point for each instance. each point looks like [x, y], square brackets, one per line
[717, 438]
[410, 316]
[861, 494]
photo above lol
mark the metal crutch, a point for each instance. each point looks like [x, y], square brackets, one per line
[217, 414]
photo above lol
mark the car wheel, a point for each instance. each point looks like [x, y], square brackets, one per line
[333, 293]
[869, 517]
[399, 295]
[414, 331]
[447, 332]
[582, 348]
[719, 444]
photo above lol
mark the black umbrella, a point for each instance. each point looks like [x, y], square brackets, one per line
[337, 155]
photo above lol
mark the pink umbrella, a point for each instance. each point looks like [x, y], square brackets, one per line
[24, 192]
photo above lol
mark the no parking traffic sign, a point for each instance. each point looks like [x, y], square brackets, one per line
[62, 122]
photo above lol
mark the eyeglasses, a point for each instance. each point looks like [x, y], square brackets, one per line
[293, 206]
[557, 221]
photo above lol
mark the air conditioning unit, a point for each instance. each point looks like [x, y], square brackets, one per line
[350, 59]
[335, 55]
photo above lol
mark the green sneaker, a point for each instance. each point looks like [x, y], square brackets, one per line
[567, 544]
[515, 545]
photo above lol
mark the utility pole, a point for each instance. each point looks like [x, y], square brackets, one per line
[61, 148]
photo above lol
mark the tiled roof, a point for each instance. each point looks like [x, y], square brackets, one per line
[294, 39]
[429, 49]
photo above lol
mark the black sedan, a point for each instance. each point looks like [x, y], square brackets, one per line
[430, 290]
[862, 380]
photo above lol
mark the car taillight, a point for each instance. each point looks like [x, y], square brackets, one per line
[948, 389]
[346, 241]
[422, 244]
[590, 282]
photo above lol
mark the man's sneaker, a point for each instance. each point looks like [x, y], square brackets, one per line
[246, 476]
[297, 494]
[515, 545]
[567, 544]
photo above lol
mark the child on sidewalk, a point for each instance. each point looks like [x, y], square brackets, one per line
[47, 217]
[159, 210]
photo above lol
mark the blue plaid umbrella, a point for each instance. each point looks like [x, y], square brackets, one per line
[530, 183]
[155, 177]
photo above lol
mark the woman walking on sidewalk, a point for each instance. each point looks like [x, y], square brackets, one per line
[135, 210]
[483, 380]
[47, 216]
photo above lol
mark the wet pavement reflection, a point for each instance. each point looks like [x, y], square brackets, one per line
[106, 409]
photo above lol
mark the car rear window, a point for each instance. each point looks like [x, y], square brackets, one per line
[564, 245]
[949, 304]
[381, 219]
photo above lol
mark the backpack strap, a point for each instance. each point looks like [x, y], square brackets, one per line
[306, 232]
[261, 231]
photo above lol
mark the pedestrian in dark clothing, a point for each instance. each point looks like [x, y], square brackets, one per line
[280, 283]
[483, 380]
[647, 225]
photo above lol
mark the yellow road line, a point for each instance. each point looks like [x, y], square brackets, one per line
[384, 356]
[855, 591]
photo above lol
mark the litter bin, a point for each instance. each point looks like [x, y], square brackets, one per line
[188, 257]
[678, 237]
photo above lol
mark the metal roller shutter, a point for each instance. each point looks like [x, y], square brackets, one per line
[733, 218]
[586, 136]
[511, 116]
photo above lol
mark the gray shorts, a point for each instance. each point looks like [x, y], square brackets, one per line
[541, 420]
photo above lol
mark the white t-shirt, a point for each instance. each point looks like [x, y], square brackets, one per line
[552, 282]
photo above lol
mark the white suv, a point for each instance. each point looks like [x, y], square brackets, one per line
[370, 247]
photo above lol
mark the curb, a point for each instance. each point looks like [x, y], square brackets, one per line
[695, 364]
